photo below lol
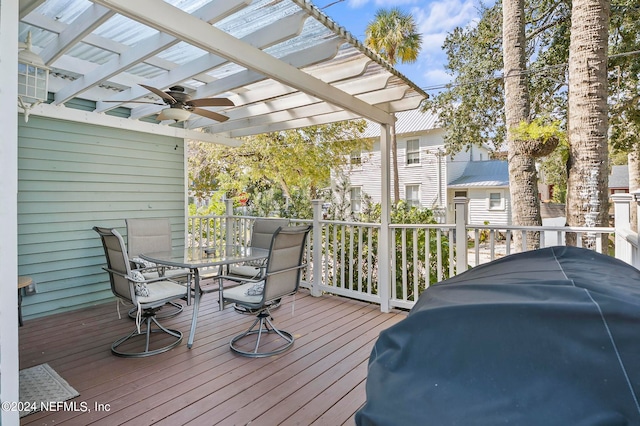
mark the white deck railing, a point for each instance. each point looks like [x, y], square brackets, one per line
[343, 256]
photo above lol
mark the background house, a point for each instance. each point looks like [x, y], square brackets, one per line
[426, 172]
[486, 185]
[619, 179]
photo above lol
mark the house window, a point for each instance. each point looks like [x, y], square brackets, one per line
[413, 151]
[356, 158]
[412, 195]
[460, 194]
[496, 200]
[356, 199]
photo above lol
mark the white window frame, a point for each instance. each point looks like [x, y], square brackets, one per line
[413, 154]
[413, 201]
[355, 158]
[492, 206]
[356, 203]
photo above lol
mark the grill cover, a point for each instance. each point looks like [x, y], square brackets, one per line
[546, 337]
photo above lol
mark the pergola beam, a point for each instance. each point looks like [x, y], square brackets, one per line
[171, 20]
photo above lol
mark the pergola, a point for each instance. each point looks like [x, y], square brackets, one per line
[283, 65]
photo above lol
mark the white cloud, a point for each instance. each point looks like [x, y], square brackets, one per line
[437, 77]
[444, 16]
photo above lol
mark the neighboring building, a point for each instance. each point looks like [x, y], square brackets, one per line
[426, 173]
[486, 184]
[619, 179]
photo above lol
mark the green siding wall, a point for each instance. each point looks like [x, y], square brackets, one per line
[73, 176]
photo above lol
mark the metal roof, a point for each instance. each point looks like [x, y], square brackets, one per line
[408, 122]
[283, 63]
[483, 174]
[619, 177]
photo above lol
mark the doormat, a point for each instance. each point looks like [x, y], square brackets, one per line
[41, 386]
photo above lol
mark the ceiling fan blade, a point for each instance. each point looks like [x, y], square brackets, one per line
[137, 102]
[160, 93]
[209, 102]
[209, 114]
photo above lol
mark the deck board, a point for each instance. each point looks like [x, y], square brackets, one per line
[320, 380]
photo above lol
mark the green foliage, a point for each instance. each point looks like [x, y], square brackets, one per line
[554, 169]
[471, 109]
[538, 130]
[624, 75]
[352, 260]
[280, 172]
[394, 35]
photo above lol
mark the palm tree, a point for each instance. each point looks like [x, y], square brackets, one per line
[394, 35]
[523, 177]
[587, 198]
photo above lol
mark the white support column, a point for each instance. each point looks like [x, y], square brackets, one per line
[228, 222]
[9, 354]
[460, 207]
[317, 248]
[385, 241]
[622, 203]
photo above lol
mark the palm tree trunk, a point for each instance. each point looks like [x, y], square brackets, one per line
[587, 184]
[523, 177]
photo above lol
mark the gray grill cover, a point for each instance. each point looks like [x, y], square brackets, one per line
[547, 337]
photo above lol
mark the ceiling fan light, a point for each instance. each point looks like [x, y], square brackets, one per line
[177, 114]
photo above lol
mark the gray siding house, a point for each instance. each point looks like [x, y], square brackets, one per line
[430, 178]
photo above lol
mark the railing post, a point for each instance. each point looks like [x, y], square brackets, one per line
[460, 208]
[317, 249]
[228, 222]
[622, 204]
[386, 240]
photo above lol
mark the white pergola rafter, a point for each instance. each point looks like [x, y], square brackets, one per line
[210, 12]
[263, 37]
[177, 23]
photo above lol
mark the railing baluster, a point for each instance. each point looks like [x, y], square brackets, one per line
[404, 263]
[439, 250]
[416, 279]
[351, 264]
[347, 270]
[370, 261]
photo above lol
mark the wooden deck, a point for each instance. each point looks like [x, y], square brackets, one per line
[320, 380]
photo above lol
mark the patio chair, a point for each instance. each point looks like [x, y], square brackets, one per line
[153, 235]
[147, 295]
[262, 232]
[281, 278]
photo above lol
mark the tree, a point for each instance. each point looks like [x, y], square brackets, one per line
[278, 171]
[393, 34]
[523, 177]
[587, 195]
[624, 81]
[471, 108]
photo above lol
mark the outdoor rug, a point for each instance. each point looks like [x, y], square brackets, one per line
[41, 385]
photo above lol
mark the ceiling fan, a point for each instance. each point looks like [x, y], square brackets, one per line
[181, 105]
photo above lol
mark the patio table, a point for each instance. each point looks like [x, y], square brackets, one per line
[197, 258]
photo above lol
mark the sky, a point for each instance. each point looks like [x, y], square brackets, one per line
[434, 18]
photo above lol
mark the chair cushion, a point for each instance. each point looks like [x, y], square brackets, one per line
[245, 293]
[144, 263]
[161, 290]
[140, 288]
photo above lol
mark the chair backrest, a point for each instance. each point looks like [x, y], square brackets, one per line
[117, 260]
[263, 230]
[148, 235]
[285, 258]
